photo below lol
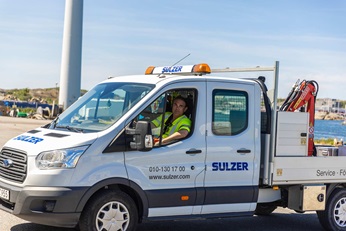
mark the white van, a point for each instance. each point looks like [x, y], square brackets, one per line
[95, 166]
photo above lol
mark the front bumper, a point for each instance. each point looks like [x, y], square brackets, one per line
[53, 206]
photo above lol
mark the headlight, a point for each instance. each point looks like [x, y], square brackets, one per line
[63, 158]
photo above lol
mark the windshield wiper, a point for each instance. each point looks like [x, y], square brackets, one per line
[55, 121]
[73, 129]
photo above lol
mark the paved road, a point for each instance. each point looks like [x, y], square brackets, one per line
[281, 219]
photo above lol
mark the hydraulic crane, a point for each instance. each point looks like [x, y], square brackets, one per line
[302, 97]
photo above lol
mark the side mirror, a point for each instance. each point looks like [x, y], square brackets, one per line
[142, 137]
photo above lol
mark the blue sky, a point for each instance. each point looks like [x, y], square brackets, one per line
[125, 37]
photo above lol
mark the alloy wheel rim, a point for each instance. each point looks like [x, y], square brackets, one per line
[340, 212]
[113, 216]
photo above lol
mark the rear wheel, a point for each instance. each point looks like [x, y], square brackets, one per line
[334, 215]
[109, 211]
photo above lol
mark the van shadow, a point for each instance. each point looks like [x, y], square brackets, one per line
[274, 222]
[36, 227]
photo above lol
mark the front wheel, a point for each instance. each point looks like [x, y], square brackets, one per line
[334, 215]
[109, 211]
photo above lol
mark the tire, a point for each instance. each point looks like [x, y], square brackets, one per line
[264, 209]
[334, 215]
[109, 210]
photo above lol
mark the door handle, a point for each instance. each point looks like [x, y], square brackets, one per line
[243, 151]
[194, 151]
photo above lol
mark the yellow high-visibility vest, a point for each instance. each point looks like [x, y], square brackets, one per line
[181, 123]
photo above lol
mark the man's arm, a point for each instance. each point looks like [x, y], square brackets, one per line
[175, 136]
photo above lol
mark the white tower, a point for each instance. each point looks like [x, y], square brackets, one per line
[70, 76]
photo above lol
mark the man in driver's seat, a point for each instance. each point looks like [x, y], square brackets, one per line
[177, 125]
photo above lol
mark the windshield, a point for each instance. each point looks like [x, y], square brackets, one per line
[101, 107]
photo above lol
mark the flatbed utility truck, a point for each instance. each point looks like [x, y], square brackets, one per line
[96, 166]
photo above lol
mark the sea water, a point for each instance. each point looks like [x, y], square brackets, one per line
[325, 129]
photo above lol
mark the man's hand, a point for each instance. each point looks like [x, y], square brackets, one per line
[156, 141]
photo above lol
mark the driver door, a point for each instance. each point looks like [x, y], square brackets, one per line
[172, 175]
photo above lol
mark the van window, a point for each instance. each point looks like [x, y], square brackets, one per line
[230, 112]
[160, 110]
[101, 107]
[157, 108]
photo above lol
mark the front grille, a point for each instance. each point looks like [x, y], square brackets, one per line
[18, 169]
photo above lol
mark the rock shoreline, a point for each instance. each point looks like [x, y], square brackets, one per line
[328, 116]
